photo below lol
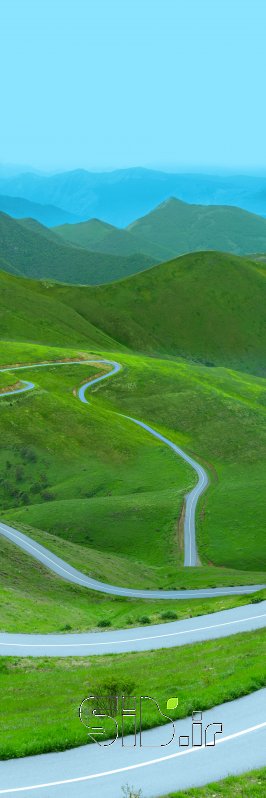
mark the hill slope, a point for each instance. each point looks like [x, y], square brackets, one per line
[208, 307]
[98, 236]
[179, 228]
[28, 313]
[174, 228]
[33, 254]
[204, 306]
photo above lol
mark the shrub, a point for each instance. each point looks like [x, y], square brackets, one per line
[144, 619]
[104, 622]
[169, 615]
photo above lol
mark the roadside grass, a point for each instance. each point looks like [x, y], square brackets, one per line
[249, 785]
[37, 717]
[33, 599]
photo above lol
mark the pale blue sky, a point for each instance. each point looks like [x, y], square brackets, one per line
[174, 84]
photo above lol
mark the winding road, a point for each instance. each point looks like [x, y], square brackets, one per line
[154, 769]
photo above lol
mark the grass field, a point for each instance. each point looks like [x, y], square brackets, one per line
[30, 699]
[250, 785]
[114, 495]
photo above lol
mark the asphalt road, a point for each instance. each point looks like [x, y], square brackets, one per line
[154, 768]
[177, 633]
[191, 499]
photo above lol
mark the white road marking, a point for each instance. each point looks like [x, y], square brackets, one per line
[136, 639]
[132, 767]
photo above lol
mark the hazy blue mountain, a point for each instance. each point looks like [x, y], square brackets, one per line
[122, 196]
[49, 215]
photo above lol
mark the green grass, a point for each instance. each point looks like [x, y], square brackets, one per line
[26, 314]
[220, 417]
[225, 669]
[208, 307]
[250, 785]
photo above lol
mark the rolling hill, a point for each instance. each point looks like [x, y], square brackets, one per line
[207, 307]
[34, 253]
[174, 228]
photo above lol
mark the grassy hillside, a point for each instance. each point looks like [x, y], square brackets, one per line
[32, 254]
[208, 307]
[180, 228]
[172, 229]
[30, 314]
[115, 496]
[98, 236]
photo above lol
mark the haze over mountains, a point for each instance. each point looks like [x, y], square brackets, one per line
[121, 196]
[94, 252]
[174, 228]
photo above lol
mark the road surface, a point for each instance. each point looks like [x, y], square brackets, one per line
[155, 769]
[178, 633]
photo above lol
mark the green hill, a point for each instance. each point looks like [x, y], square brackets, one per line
[207, 306]
[181, 228]
[174, 228]
[29, 313]
[32, 252]
[98, 236]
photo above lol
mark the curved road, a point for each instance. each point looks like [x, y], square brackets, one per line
[190, 549]
[158, 767]
[107, 769]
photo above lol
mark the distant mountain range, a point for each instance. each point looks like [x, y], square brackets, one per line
[174, 228]
[31, 250]
[94, 252]
[49, 215]
[122, 196]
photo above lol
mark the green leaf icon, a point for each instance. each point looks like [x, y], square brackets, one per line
[172, 703]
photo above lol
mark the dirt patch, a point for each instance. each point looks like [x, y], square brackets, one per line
[45, 362]
[180, 528]
[13, 387]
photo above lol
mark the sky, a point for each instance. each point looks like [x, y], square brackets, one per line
[106, 84]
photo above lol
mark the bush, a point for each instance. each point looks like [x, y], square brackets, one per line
[104, 622]
[169, 615]
[144, 619]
